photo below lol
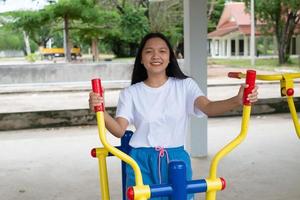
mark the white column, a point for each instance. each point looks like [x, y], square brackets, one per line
[217, 47]
[223, 47]
[229, 47]
[212, 48]
[246, 52]
[237, 46]
[195, 57]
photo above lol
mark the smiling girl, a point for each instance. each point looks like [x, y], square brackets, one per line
[159, 103]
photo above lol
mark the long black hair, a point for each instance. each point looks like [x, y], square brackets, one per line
[139, 73]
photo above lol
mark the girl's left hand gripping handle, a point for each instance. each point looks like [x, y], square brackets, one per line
[97, 88]
[250, 81]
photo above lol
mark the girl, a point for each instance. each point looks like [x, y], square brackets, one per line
[158, 103]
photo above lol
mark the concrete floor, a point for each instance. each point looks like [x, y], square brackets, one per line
[55, 164]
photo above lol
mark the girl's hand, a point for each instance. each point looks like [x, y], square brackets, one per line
[95, 100]
[252, 97]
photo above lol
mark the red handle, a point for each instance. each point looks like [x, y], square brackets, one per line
[250, 81]
[97, 88]
[234, 75]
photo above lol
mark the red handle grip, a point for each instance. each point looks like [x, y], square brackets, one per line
[250, 81]
[97, 88]
[234, 75]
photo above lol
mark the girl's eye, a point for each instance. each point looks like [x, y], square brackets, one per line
[163, 50]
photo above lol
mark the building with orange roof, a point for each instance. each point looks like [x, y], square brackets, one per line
[232, 35]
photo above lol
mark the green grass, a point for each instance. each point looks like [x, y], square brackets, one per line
[261, 63]
[12, 58]
[128, 59]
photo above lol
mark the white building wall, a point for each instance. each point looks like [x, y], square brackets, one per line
[221, 47]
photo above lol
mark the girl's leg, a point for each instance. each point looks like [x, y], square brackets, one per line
[145, 158]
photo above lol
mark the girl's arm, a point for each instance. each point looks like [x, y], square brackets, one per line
[212, 108]
[117, 126]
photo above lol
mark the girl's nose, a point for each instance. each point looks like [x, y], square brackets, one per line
[155, 54]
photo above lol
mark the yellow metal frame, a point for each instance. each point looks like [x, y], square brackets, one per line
[211, 192]
[101, 154]
[143, 191]
[286, 82]
[214, 184]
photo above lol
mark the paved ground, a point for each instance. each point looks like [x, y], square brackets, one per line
[54, 164]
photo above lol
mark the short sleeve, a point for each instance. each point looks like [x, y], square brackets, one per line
[124, 107]
[192, 93]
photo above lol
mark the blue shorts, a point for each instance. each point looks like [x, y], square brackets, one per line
[148, 161]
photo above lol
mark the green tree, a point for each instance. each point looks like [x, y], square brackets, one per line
[85, 18]
[134, 24]
[167, 17]
[67, 11]
[97, 25]
[154, 16]
[34, 24]
[281, 17]
[214, 12]
[13, 42]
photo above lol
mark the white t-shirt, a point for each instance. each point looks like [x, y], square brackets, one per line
[160, 115]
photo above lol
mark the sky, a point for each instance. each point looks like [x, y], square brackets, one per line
[11, 5]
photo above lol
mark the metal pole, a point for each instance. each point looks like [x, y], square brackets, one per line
[252, 39]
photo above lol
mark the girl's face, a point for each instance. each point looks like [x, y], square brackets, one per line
[155, 56]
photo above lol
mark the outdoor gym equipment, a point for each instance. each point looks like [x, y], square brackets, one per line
[286, 90]
[178, 187]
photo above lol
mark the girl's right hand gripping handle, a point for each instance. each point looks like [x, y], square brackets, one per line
[250, 81]
[97, 88]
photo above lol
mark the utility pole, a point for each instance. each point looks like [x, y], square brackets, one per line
[252, 39]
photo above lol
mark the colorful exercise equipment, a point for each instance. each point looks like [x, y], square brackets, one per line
[178, 187]
[286, 90]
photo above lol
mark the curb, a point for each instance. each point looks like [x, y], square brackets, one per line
[81, 117]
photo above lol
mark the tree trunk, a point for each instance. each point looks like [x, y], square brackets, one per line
[284, 39]
[67, 48]
[95, 51]
[27, 43]
[281, 54]
[211, 9]
[265, 51]
[133, 49]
